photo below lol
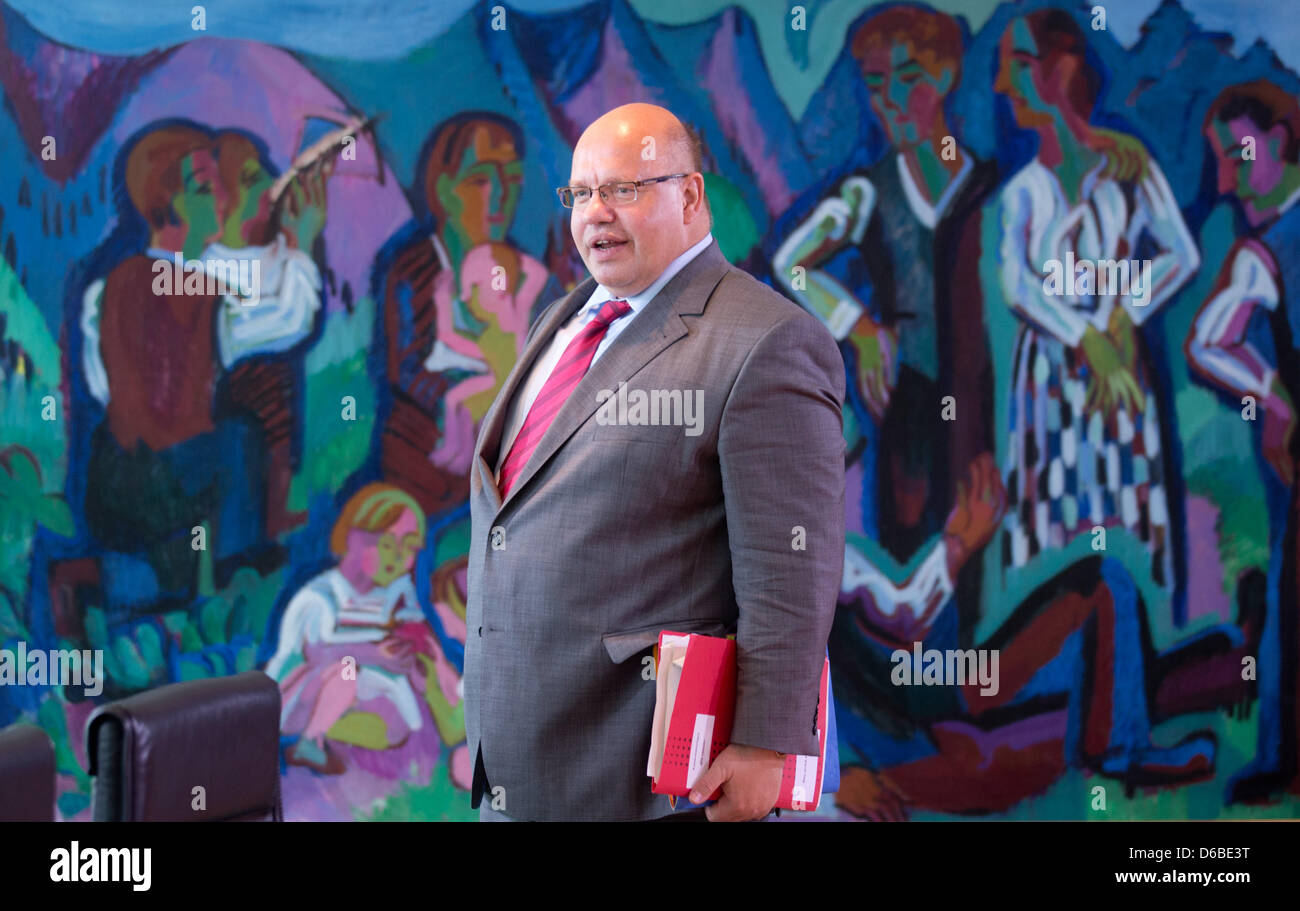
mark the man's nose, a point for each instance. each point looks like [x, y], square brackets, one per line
[895, 91]
[496, 193]
[597, 209]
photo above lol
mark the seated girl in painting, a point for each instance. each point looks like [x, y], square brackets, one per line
[356, 654]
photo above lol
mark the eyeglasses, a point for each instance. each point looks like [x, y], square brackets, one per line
[619, 193]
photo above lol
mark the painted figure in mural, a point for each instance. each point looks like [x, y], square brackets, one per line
[162, 462]
[1244, 341]
[457, 305]
[902, 217]
[357, 661]
[922, 747]
[1070, 683]
[1085, 429]
[261, 342]
[259, 339]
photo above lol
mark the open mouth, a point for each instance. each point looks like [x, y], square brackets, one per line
[607, 244]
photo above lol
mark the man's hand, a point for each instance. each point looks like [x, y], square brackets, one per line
[981, 500]
[870, 795]
[303, 216]
[1127, 159]
[838, 221]
[877, 349]
[750, 778]
[1112, 384]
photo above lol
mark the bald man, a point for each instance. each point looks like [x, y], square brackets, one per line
[667, 453]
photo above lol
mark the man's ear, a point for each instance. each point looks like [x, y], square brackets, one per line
[695, 205]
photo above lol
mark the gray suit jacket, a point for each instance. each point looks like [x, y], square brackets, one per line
[613, 532]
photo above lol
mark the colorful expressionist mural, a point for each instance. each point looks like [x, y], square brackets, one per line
[263, 277]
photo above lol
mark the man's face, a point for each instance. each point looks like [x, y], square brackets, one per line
[904, 94]
[482, 197]
[1020, 77]
[626, 247]
[1261, 185]
[248, 211]
[199, 202]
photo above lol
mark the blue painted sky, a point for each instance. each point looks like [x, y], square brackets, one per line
[377, 29]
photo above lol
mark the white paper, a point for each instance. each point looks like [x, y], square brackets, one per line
[701, 747]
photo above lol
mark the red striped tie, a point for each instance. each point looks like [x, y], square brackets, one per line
[570, 370]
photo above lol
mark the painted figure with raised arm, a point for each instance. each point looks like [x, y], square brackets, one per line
[1243, 342]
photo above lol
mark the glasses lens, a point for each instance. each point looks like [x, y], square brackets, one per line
[624, 192]
[566, 197]
[581, 196]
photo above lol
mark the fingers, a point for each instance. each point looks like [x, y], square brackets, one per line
[868, 390]
[311, 186]
[297, 198]
[1112, 396]
[1128, 394]
[725, 810]
[321, 176]
[986, 479]
[314, 185]
[1139, 397]
[714, 777]
[833, 217]
[876, 396]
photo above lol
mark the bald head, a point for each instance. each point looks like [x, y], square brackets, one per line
[673, 144]
[627, 244]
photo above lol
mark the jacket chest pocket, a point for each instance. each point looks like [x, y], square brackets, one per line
[648, 460]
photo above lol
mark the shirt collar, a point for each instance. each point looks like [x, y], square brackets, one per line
[927, 214]
[638, 301]
[386, 595]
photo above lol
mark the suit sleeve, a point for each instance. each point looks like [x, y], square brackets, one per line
[781, 449]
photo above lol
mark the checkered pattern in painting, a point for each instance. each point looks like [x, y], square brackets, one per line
[1069, 468]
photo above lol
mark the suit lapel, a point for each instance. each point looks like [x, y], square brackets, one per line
[657, 326]
[493, 424]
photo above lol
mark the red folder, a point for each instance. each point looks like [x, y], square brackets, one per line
[694, 709]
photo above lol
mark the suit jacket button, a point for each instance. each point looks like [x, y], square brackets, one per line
[480, 632]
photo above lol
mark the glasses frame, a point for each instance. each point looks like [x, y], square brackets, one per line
[606, 190]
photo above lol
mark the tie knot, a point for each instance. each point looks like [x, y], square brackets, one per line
[612, 310]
